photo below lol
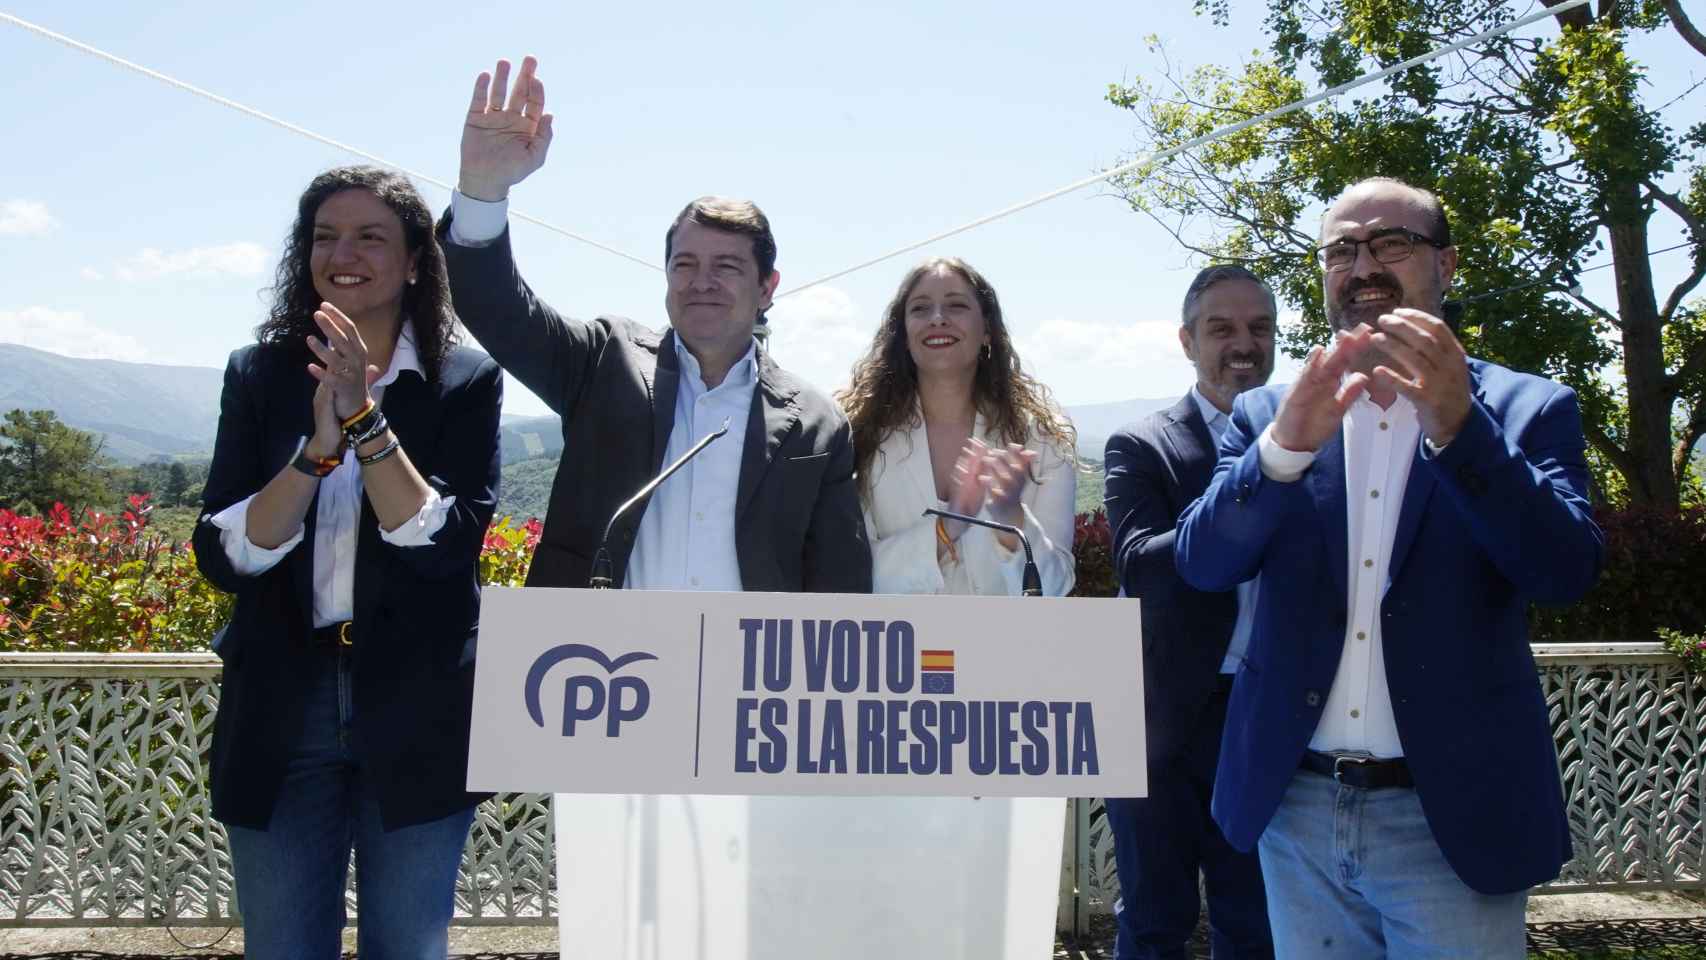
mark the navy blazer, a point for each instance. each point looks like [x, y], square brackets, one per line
[416, 608]
[1500, 518]
[1155, 468]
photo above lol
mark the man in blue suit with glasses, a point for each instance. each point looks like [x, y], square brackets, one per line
[1387, 747]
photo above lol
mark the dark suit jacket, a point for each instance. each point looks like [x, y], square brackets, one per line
[1500, 518]
[797, 522]
[1155, 468]
[416, 608]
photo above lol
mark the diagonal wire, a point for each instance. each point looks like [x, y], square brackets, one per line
[1213, 135]
[296, 129]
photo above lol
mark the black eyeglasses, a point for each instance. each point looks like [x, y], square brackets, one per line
[1386, 246]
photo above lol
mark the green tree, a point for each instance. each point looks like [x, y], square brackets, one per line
[43, 462]
[1544, 152]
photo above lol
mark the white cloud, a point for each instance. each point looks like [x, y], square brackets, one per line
[69, 333]
[1088, 361]
[25, 218]
[818, 334]
[91, 274]
[241, 259]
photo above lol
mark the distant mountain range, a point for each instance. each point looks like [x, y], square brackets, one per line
[154, 411]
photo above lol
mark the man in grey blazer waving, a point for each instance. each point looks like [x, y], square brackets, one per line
[770, 506]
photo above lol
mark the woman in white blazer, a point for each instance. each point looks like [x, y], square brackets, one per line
[944, 417]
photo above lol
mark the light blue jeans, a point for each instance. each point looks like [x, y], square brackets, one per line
[1356, 874]
[291, 876]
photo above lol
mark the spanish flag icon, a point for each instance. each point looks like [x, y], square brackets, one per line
[938, 669]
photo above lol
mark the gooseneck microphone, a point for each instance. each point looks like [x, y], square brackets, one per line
[1033, 581]
[600, 579]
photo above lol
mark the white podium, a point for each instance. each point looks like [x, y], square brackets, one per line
[807, 776]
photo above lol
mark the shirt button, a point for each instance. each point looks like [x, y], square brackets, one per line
[1355, 714]
[1374, 494]
[1361, 635]
[1368, 563]
[699, 517]
[1383, 424]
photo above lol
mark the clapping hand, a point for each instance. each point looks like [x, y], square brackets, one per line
[1314, 408]
[1428, 366]
[1006, 471]
[343, 367]
[966, 490]
[507, 132]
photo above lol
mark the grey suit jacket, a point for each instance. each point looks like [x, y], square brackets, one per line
[798, 525]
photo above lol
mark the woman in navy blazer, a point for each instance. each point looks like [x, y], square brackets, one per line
[353, 478]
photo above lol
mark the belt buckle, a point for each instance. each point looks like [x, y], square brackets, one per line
[343, 635]
[1339, 764]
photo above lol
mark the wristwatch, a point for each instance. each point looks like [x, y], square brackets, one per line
[314, 466]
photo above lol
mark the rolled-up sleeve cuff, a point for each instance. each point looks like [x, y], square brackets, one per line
[477, 223]
[1279, 464]
[418, 530]
[247, 558]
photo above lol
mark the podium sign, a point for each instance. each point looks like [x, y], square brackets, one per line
[664, 692]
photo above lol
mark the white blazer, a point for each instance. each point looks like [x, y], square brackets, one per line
[903, 539]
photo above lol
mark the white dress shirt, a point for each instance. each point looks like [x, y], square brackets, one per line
[686, 539]
[904, 555]
[1247, 591]
[336, 517]
[1380, 447]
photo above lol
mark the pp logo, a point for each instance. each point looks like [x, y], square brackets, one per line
[597, 694]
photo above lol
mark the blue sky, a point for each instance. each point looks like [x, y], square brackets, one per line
[138, 222]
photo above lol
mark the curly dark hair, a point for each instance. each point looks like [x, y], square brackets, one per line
[883, 396]
[290, 318]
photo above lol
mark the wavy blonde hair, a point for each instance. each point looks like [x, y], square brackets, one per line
[883, 396]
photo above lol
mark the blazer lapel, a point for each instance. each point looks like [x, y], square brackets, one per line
[1193, 444]
[1326, 479]
[772, 416]
[1417, 491]
[302, 561]
[411, 408]
[917, 465]
[662, 386]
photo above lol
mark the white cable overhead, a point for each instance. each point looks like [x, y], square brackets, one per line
[1206, 138]
[1146, 159]
[297, 129]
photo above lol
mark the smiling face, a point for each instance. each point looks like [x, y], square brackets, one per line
[1369, 288]
[359, 259]
[945, 327]
[1231, 340]
[715, 290]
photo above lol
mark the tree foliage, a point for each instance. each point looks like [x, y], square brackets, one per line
[44, 462]
[1546, 153]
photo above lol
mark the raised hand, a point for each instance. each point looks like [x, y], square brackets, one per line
[507, 132]
[1431, 370]
[1314, 408]
[1005, 472]
[343, 367]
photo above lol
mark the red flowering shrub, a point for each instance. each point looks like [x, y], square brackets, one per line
[508, 551]
[105, 584]
[1093, 549]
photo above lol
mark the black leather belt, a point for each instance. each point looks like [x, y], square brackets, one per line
[1360, 772]
[332, 635]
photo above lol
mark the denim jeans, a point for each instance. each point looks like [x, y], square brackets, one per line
[1357, 874]
[291, 876]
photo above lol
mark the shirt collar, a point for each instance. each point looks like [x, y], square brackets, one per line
[404, 356]
[744, 373]
[1209, 411]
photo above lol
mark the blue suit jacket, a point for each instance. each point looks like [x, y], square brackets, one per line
[1155, 468]
[1499, 519]
[416, 608]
